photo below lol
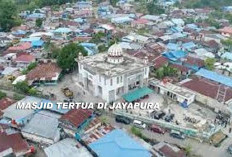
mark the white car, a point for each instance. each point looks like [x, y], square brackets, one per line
[139, 124]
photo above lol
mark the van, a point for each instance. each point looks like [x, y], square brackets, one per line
[139, 124]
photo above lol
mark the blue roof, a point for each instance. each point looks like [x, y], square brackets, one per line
[215, 77]
[175, 55]
[189, 45]
[54, 107]
[19, 32]
[62, 30]
[31, 39]
[118, 144]
[121, 19]
[227, 55]
[172, 46]
[37, 43]
[36, 15]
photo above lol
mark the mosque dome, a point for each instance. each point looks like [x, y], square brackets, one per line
[115, 54]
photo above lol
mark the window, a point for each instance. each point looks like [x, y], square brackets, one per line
[111, 82]
[99, 78]
[121, 79]
[117, 80]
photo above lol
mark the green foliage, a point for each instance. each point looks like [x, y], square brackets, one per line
[113, 2]
[8, 15]
[102, 48]
[67, 55]
[2, 95]
[189, 20]
[38, 22]
[22, 87]
[209, 63]
[165, 71]
[136, 132]
[188, 150]
[227, 43]
[96, 38]
[17, 96]
[29, 68]
[152, 8]
[33, 91]
[206, 3]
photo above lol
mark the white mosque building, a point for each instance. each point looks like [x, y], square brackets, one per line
[110, 75]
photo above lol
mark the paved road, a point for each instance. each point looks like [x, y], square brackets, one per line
[202, 149]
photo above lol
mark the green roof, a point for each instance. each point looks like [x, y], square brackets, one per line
[137, 94]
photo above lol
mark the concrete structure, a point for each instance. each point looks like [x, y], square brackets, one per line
[110, 75]
[42, 128]
[67, 147]
[174, 92]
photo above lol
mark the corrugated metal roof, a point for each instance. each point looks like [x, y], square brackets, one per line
[215, 77]
[118, 143]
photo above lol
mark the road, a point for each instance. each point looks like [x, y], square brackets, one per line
[202, 149]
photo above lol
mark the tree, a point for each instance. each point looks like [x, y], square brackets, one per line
[152, 8]
[8, 15]
[227, 43]
[96, 38]
[2, 95]
[29, 68]
[188, 150]
[22, 87]
[113, 2]
[38, 22]
[209, 63]
[67, 55]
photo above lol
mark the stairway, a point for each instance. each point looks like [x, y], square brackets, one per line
[221, 94]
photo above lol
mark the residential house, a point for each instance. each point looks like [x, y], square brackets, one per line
[20, 116]
[12, 144]
[139, 23]
[168, 150]
[62, 33]
[226, 31]
[42, 128]
[74, 121]
[44, 74]
[70, 147]
[23, 60]
[119, 144]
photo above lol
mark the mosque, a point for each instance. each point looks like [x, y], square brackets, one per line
[110, 75]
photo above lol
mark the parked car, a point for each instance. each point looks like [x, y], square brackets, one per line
[159, 115]
[97, 112]
[169, 117]
[229, 149]
[139, 124]
[157, 129]
[177, 134]
[122, 119]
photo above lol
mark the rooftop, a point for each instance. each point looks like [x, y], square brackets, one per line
[13, 141]
[67, 147]
[13, 113]
[42, 124]
[97, 65]
[174, 88]
[118, 143]
[206, 87]
[76, 116]
[5, 102]
[25, 58]
[44, 71]
[215, 77]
